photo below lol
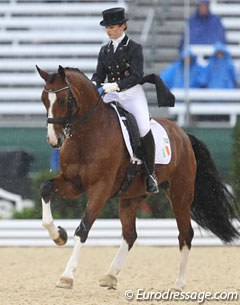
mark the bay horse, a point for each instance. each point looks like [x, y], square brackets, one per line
[94, 160]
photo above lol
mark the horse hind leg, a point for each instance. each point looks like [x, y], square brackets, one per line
[181, 199]
[127, 215]
[185, 246]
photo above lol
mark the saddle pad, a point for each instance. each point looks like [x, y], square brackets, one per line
[162, 143]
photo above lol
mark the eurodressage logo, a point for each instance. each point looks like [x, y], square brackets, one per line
[169, 295]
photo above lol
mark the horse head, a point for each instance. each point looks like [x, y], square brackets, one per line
[64, 96]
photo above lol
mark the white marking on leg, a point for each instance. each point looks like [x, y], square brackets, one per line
[119, 259]
[72, 263]
[47, 220]
[180, 282]
[51, 133]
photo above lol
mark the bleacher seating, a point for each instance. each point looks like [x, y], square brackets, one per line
[47, 34]
[162, 48]
[169, 23]
[207, 102]
[230, 13]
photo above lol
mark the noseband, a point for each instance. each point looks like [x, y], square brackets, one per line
[67, 121]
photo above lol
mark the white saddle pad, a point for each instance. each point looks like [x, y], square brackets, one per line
[163, 149]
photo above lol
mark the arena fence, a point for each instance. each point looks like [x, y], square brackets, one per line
[105, 232]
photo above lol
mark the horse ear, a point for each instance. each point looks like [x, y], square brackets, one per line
[61, 72]
[44, 75]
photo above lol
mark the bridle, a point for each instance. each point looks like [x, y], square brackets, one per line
[66, 122]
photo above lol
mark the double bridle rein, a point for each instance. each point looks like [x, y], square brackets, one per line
[67, 121]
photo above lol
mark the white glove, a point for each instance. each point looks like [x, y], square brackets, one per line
[110, 87]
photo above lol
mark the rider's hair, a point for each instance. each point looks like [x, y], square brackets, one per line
[125, 25]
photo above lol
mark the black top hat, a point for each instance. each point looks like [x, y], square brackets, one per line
[113, 16]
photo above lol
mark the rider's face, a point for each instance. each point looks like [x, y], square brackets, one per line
[114, 31]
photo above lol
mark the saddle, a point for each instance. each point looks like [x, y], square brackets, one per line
[163, 148]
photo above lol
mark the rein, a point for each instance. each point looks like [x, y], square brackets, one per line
[67, 121]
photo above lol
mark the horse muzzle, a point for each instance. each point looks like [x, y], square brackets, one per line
[56, 143]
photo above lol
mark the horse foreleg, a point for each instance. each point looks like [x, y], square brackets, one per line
[63, 188]
[93, 208]
[127, 214]
[66, 279]
[57, 234]
[81, 233]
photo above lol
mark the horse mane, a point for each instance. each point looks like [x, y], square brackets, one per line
[83, 77]
[53, 76]
[77, 70]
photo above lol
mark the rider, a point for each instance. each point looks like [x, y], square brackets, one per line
[121, 61]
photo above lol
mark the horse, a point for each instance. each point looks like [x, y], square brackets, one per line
[94, 160]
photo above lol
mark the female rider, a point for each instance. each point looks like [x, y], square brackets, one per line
[121, 62]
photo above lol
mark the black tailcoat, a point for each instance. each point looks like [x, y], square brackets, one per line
[124, 66]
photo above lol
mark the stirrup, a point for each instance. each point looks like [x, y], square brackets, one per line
[151, 184]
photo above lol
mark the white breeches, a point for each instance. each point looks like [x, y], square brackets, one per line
[135, 102]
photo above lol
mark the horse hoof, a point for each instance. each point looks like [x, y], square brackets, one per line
[63, 237]
[65, 282]
[109, 281]
[178, 286]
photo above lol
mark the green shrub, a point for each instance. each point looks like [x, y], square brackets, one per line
[26, 213]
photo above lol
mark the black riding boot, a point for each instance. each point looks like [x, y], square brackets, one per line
[148, 149]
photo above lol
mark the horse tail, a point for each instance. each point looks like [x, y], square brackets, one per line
[213, 207]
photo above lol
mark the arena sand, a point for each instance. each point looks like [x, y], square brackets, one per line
[28, 275]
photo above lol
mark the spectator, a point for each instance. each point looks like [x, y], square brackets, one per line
[204, 27]
[220, 71]
[173, 75]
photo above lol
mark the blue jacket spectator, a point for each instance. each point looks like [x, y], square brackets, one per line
[173, 75]
[204, 27]
[220, 71]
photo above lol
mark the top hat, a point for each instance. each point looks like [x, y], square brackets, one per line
[113, 16]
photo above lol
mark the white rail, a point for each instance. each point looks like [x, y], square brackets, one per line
[56, 8]
[226, 9]
[105, 232]
[207, 102]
